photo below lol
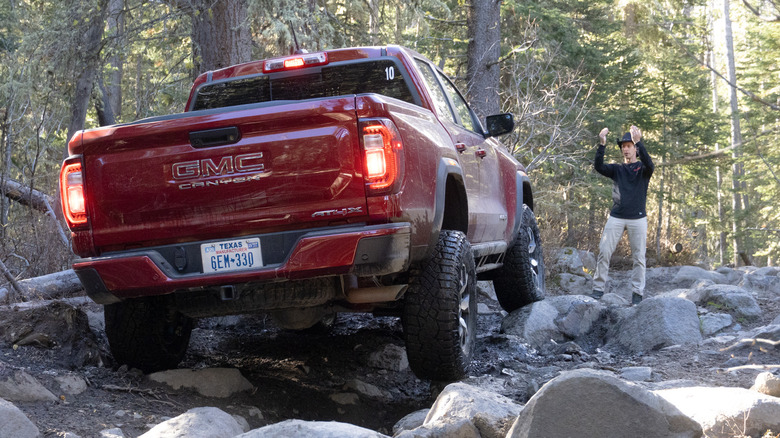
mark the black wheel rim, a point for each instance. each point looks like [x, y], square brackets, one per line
[533, 256]
[465, 331]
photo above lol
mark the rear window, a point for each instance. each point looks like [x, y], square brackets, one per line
[377, 76]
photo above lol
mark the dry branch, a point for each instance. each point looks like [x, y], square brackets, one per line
[719, 152]
[753, 367]
[56, 285]
[751, 342]
[26, 196]
[34, 199]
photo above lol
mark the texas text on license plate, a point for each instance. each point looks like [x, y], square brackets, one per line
[231, 255]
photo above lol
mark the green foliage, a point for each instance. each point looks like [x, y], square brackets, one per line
[568, 69]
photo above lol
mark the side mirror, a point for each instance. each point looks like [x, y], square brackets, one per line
[500, 124]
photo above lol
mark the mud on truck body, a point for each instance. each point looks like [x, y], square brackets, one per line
[350, 180]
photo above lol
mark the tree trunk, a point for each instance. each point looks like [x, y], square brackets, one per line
[220, 34]
[91, 39]
[7, 143]
[718, 176]
[105, 113]
[116, 27]
[484, 50]
[373, 21]
[736, 139]
[659, 224]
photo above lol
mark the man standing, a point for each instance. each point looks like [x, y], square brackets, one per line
[629, 196]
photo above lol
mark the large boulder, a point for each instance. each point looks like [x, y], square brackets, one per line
[576, 315]
[567, 260]
[727, 412]
[197, 423]
[311, 429]
[410, 421]
[389, 357]
[591, 403]
[560, 319]
[656, 323]
[457, 428]
[14, 424]
[588, 260]
[766, 335]
[712, 323]
[688, 275]
[19, 386]
[761, 281]
[732, 299]
[535, 323]
[492, 414]
[573, 284]
[660, 274]
[769, 271]
[733, 276]
[767, 383]
[210, 382]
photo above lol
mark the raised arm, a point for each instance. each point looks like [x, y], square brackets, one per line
[598, 162]
[644, 157]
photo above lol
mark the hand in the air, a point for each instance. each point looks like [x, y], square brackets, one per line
[603, 136]
[636, 134]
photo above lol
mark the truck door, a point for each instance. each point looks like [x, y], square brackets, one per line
[469, 132]
[466, 153]
[477, 156]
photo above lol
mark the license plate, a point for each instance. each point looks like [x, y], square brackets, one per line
[231, 255]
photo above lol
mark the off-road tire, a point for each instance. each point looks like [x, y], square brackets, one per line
[521, 280]
[440, 311]
[147, 334]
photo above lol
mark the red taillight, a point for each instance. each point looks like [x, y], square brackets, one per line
[72, 193]
[295, 61]
[383, 151]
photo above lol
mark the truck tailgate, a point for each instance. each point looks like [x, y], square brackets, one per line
[220, 174]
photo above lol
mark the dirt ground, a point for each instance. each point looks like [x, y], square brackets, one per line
[294, 374]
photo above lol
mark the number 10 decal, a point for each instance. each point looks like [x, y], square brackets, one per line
[390, 73]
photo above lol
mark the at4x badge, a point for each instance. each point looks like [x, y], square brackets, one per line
[338, 212]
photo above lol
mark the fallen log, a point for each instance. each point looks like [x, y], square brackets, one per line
[26, 196]
[46, 287]
[36, 200]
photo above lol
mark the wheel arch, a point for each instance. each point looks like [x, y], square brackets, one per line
[452, 209]
[525, 196]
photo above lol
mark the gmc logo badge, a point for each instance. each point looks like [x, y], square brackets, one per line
[227, 165]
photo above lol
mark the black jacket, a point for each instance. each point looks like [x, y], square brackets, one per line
[629, 183]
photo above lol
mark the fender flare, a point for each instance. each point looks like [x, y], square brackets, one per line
[446, 167]
[521, 180]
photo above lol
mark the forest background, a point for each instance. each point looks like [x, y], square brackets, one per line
[701, 78]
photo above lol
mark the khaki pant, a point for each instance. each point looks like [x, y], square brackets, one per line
[637, 237]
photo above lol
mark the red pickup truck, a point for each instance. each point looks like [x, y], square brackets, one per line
[349, 180]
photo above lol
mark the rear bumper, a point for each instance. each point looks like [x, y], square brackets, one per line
[358, 250]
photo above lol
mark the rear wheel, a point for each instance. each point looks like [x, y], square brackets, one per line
[147, 334]
[521, 280]
[440, 311]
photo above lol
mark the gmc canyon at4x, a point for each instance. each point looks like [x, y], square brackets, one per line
[350, 180]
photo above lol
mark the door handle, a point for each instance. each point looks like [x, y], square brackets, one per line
[481, 153]
[215, 137]
[460, 147]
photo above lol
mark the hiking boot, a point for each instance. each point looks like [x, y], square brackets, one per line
[597, 294]
[635, 298]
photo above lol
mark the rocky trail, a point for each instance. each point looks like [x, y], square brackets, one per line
[696, 328]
